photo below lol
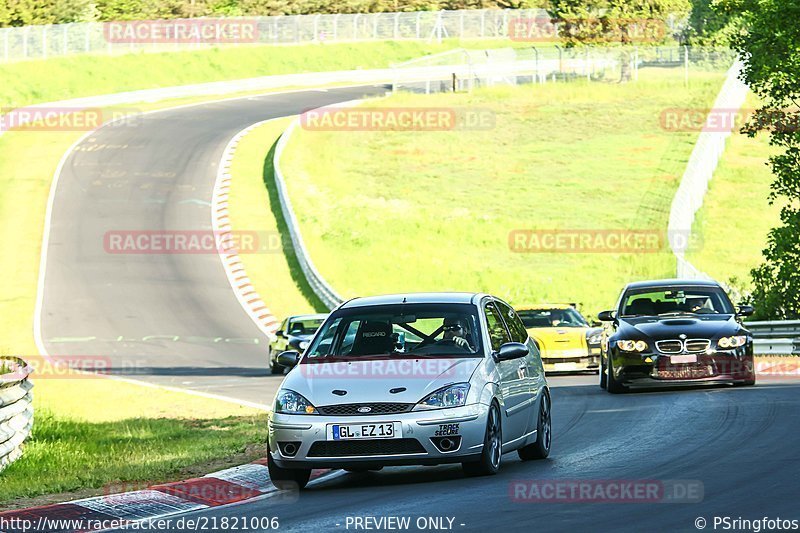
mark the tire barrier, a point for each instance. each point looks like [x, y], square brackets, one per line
[16, 408]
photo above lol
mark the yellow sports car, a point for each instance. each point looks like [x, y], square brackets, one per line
[566, 339]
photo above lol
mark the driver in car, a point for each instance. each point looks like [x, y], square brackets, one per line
[455, 331]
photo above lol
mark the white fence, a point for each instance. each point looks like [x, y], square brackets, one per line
[40, 42]
[699, 171]
[16, 408]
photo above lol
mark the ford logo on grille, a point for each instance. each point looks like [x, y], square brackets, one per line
[364, 409]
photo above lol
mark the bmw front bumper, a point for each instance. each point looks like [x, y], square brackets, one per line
[301, 441]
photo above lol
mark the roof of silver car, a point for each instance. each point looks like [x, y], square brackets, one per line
[416, 298]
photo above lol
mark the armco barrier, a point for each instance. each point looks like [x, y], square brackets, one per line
[16, 408]
[780, 337]
[321, 288]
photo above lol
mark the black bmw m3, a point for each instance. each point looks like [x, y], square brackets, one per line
[675, 332]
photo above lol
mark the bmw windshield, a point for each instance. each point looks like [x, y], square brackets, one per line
[399, 331]
[676, 301]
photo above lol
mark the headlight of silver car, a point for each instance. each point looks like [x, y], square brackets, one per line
[449, 396]
[732, 342]
[291, 403]
[303, 345]
[595, 338]
[632, 346]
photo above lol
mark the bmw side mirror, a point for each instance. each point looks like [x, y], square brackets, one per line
[606, 316]
[288, 358]
[745, 310]
[511, 350]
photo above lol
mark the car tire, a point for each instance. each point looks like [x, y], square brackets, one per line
[492, 453]
[540, 448]
[614, 386]
[603, 375]
[287, 478]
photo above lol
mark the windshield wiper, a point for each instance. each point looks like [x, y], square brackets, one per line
[677, 313]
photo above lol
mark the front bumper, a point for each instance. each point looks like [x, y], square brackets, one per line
[570, 361]
[419, 433]
[713, 366]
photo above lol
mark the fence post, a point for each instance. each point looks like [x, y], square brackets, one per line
[336, 26]
[355, 26]
[25, 42]
[5, 44]
[396, 26]
[483, 23]
[419, 14]
[686, 66]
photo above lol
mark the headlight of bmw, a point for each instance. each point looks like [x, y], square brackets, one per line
[632, 346]
[449, 396]
[732, 342]
[291, 403]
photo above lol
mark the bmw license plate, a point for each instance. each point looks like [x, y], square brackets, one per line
[385, 430]
[692, 358]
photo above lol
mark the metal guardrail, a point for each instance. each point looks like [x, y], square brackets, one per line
[780, 337]
[321, 288]
[16, 408]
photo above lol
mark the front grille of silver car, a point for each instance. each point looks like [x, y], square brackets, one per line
[344, 448]
[361, 409]
[670, 346]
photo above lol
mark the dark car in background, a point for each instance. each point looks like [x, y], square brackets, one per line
[675, 332]
[294, 333]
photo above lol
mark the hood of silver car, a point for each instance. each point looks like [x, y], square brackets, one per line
[377, 380]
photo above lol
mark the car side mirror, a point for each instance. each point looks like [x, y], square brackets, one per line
[596, 323]
[288, 358]
[745, 310]
[511, 350]
[280, 333]
[606, 316]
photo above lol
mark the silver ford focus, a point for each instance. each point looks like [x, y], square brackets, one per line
[411, 379]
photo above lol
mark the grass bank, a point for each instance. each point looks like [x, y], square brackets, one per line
[732, 226]
[385, 211]
[54, 79]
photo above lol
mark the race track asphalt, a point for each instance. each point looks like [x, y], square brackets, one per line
[173, 319]
[735, 448]
[164, 318]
